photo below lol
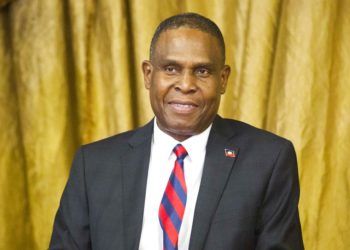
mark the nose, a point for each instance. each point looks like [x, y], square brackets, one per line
[187, 83]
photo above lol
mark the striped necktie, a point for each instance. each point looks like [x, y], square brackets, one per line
[172, 207]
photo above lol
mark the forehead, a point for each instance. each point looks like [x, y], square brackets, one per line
[187, 44]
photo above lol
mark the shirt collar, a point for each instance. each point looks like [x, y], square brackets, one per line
[194, 145]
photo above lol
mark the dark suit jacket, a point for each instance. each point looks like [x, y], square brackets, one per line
[245, 202]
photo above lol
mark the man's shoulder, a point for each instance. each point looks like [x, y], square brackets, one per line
[122, 141]
[250, 134]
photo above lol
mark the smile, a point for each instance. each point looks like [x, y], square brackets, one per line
[183, 107]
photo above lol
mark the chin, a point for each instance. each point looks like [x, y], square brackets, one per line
[177, 127]
[182, 131]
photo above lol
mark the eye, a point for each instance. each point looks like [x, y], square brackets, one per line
[203, 72]
[170, 69]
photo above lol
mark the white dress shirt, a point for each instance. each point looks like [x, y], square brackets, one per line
[160, 167]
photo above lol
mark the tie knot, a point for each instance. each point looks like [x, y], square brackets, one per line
[180, 151]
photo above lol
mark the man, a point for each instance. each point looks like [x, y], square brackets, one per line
[188, 179]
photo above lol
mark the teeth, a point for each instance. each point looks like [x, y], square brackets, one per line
[182, 106]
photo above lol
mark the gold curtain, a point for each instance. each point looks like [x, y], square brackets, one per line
[70, 74]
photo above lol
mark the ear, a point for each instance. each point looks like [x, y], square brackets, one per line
[225, 73]
[147, 70]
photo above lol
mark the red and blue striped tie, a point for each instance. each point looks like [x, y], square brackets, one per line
[172, 207]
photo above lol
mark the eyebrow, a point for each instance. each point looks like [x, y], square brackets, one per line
[195, 65]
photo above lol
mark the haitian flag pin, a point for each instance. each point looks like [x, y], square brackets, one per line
[230, 153]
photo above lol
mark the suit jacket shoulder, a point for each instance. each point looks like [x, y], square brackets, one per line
[247, 132]
[120, 142]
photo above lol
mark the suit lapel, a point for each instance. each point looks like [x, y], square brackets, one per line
[135, 169]
[217, 169]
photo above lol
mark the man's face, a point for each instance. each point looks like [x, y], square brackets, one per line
[185, 79]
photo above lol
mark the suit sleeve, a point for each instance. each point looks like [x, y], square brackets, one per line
[279, 224]
[71, 226]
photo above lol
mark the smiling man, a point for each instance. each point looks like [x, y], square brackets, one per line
[189, 179]
[186, 77]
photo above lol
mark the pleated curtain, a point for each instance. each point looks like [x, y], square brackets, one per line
[70, 74]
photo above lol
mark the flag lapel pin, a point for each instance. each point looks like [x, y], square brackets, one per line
[230, 153]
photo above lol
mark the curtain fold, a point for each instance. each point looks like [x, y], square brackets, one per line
[70, 73]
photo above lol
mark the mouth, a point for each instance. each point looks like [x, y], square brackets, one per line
[183, 107]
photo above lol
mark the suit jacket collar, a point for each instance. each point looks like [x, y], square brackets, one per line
[142, 134]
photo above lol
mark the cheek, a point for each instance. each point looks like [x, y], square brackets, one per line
[157, 96]
[212, 95]
[160, 88]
